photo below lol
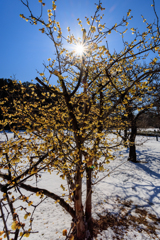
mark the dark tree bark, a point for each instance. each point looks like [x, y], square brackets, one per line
[132, 146]
[125, 137]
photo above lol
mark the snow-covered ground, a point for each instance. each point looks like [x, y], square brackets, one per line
[149, 129]
[138, 182]
[131, 188]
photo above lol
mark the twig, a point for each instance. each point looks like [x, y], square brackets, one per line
[109, 173]
[4, 222]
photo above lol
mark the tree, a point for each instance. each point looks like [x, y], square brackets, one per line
[70, 135]
[151, 117]
[137, 102]
[156, 102]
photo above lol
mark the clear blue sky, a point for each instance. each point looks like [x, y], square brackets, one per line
[23, 48]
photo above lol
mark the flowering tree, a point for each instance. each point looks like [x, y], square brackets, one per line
[66, 124]
[137, 102]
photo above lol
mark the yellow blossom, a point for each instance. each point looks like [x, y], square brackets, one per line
[64, 232]
[41, 74]
[26, 234]
[14, 225]
[1, 233]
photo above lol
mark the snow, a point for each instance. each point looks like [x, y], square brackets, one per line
[148, 129]
[138, 182]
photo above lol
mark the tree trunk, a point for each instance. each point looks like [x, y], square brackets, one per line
[132, 146]
[80, 225]
[88, 210]
[125, 137]
[132, 152]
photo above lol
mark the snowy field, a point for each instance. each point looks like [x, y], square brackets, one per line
[130, 195]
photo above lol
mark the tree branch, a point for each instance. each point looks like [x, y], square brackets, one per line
[61, 201]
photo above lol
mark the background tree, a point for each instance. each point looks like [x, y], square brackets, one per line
[69, 135]
[137, 102]
[156, 102]
[151, 117]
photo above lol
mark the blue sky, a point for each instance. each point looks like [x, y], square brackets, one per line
[23, 48]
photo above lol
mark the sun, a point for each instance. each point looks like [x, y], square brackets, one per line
[79, 49]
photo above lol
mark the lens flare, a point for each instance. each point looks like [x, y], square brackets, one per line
[79, 49]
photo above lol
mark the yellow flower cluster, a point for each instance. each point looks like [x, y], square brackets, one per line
[93, 29]
[53, 6]
[22, 16]
[27, 215]
[17, 225]
[42, 30]
[128, 13]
